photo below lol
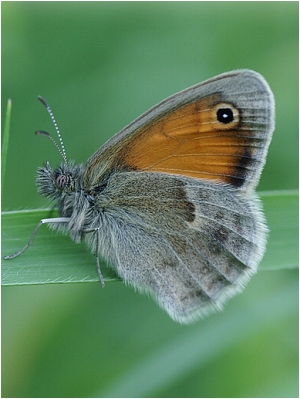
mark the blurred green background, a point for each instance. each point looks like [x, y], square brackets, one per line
[100, 65]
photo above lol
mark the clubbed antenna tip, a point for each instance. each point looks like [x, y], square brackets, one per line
[61, 150]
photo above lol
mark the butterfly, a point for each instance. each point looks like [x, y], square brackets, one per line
[169, 201]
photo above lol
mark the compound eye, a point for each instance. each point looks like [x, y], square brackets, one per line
[61, 181]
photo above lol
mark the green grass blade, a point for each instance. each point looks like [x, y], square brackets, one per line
[5, 141]
[54, 258]
[281, 209]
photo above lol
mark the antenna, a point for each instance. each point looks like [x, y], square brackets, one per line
[61, 150]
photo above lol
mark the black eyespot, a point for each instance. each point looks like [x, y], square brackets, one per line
[225, 115]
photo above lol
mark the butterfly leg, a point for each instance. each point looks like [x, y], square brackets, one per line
[41, 222]
[96, 229]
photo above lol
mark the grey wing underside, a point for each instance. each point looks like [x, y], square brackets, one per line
[189, 244]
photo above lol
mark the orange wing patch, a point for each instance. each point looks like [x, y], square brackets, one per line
[191, 141]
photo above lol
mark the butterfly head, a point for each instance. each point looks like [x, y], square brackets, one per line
[58, 182]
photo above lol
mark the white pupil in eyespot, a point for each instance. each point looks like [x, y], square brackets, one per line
[225, 115]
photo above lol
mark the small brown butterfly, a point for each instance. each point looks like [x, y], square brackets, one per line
[169, 201]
